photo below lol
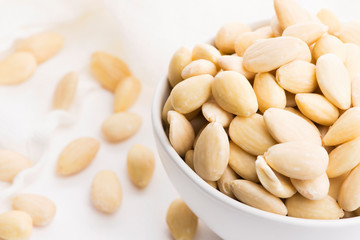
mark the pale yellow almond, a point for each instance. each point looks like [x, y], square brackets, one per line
[335, 184]
[289, 12]
[17, 68]
[285, 126]
[11, 164]
[355, 90]
[297, 112]
[265, 32]
[334, 80]
[214, 113]
[234, 63]
[309, 32]
[244, 41]
[106, 191]
[268, 93]
[344, 158]
[256, 196]
[108, 70]
[15, 225]
[191, 93]
[349, 194]
[121, 126]
[181, 221]
[275, 26]
[317, 108]
[189, 158]
[181, 133]
[43, 45]
[274, 182]
[168, 107]
[224, 183]
[206, 51]
[290, 99]
[233, 92]
[326, 208]
[180, 59]
[352, 59]
[126, 93]
[269, 54]
[65, 91]
[140, 165]
[242, 163]
[328, 44]
[77, 155]
[211, 152]
[251, 134]
[198, 67]
[328, 18]
[346, 128]
[313, 189]
[297, 77]
[41, 209]
[299, 160]
[226, 36]
[350, 33]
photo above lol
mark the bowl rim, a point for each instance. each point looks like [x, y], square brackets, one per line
[159, 98]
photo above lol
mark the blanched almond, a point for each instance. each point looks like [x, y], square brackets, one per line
[182, 222]
[244, 41]
[198, 67]
[211, 153]
[77, 155]
[334, 80]
[65, 91]
[344, 158]
[328, 18]
[234, 63]
[335, 184]
[224, 183]
[328, 44]
[326, 208]
[189, 158]
[180, 59]
[15, 225]
[274, 182]
[289, 12]
[214, 113]
[121, 126]
[317, 108]
[168, 107]
[346, 128]
[297, 77]
[41, 209]
[250, 134]
[106, 191]
[349, 194]
[352, 59]
[12, 163]
[313, 189]
[108, 70]
[299, 160]
[265, 32]
[233, 92]
[17, 68]
[191, 93]
[268, 93]
[126, 93]
[226, 36]
[242, 163]
[350, 33]
[285, 126]
[355, 90]
[275, 26]
[43, 45]
[206, 51]
[309, 32]
[269, 54]
[297, 112]
[181, 133]
[256, 196]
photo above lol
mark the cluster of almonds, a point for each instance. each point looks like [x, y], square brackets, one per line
[271, 116]
[106, 192]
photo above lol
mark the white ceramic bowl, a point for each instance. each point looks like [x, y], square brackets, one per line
[231, 219]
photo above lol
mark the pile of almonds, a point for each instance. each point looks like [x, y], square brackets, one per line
[271, 116]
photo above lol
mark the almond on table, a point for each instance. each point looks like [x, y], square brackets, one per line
[15, 225]
[65, 91]
[11, 164]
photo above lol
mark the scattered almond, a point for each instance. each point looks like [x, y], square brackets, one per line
[12, 163]
[65, 91]
[126, 93]
[15, 225]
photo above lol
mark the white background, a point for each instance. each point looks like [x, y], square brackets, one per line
[144, 34]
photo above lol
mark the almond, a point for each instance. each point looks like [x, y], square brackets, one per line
[328, 44]
[269, 54]
[214, 113]
[180, 59]
[15, 225]
[297, 112]
[350, 33]
[77, 155]
[335, 184]
[289, 12]
[65, 91]
[355, 90]
[224, 183]
[328, 18]
[234, 63]
[250, 134]
[352, 59]
[275, 26]
[349, 194]
[189, 158]
[299, 160]
[313, 189]
[265, 32]
[12, 163]
[309, 32]
[226, 36]
[198, 67]
[126, 93]
[207, 52]
[168, 107]
[244, 41]
[121, 126]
